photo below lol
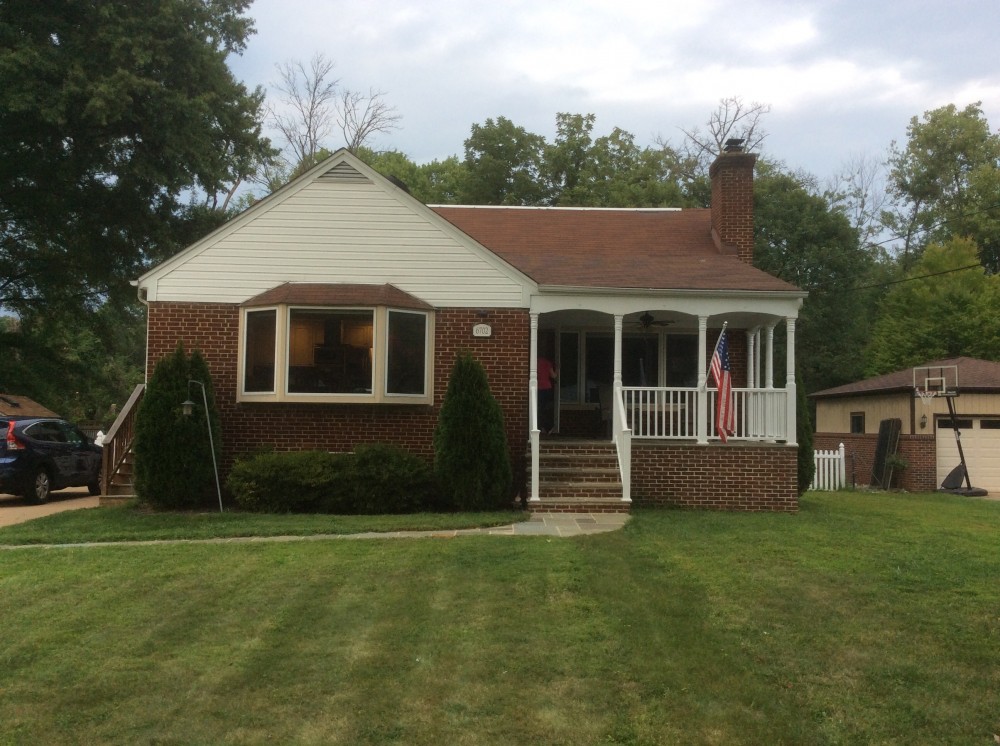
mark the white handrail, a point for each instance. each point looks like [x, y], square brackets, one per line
[623, 444]
[533, 438]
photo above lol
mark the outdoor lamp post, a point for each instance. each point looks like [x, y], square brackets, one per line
[187, 409]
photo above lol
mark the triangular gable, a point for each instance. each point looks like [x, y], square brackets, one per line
[340, 222]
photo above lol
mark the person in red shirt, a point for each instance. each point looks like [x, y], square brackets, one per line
[547, 375]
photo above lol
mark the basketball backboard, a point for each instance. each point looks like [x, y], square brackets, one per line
[935, 380]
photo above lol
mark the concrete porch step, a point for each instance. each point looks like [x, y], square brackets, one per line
[576, 475]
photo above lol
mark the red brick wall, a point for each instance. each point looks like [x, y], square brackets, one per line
[738, 476]
[919, 451]
[214, 329]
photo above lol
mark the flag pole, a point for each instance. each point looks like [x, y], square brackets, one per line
[724, 325]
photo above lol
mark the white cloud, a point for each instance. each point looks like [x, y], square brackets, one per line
[853, 68]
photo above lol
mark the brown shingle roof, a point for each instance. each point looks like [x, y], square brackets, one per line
[973, 375]
[337, 294]
[12, 405]
[624, 248]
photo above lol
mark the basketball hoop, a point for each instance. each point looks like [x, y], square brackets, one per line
[925, 395]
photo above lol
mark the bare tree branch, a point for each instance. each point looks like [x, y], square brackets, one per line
[732, 119]
[859, 191]
[360, 116]
[310, 93]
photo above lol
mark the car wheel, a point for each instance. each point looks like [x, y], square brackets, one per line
[39, 487]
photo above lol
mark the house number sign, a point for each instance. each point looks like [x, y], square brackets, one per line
[482, 330]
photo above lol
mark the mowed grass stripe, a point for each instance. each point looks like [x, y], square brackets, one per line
[865, 618]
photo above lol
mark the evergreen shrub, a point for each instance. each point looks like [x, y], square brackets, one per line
[388, 479]
[295, 482]
[471, 459]
[173, 459]
[375, 479]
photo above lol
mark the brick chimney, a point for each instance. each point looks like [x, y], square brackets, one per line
[732, 200]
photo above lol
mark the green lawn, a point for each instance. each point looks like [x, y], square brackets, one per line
[866, 618]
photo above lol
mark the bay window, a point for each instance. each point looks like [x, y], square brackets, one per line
[299, 353]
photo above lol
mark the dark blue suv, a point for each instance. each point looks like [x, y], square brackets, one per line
[39, 455]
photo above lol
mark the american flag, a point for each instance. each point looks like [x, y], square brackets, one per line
[725, 416]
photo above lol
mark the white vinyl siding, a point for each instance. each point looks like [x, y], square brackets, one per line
[341, 231]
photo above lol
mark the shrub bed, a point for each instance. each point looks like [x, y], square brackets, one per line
[375, 479]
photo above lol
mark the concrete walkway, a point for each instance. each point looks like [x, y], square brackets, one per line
[538, 524]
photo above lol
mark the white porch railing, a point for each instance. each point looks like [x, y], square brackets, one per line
[672, 413]
[623, 445]
[831, 469]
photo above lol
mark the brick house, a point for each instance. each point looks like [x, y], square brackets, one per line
[330, 314]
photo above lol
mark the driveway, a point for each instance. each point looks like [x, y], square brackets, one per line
[15, 509]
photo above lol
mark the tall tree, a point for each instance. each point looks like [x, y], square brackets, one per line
[306, 113]
[946, 182]
[82, 366]
[799, 238]
[610, 171]
[434, 183]
[111, 114]
[946, 307]
[858, 190]
[310, 106]
[733, 118]
[503, 164]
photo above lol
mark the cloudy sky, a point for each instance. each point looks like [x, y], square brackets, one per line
[843, 77]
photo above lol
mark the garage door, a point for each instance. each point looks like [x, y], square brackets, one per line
[981, 443]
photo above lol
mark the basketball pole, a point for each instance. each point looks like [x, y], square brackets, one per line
[958, 440]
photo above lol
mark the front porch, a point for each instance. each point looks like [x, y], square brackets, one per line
[638, 391]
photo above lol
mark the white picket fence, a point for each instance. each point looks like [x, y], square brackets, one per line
[831, 470]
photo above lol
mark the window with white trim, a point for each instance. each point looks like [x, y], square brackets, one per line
[299, 353]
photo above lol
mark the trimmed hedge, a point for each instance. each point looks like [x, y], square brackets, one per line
[375, 479]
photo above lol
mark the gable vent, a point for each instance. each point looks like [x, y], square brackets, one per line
[344, 173]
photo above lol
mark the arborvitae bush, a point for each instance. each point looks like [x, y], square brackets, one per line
[471, 460]
[375, 479]
[804, 435]
[173, 460]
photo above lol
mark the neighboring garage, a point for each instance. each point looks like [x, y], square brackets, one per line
[851, 414]
[981, 444]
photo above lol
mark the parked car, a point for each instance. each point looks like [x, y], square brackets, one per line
[39, 455]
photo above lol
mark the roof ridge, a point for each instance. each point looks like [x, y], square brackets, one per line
[567, 208]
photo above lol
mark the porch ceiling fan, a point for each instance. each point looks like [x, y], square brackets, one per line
[648, 321]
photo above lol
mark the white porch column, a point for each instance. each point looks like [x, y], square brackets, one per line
[533, 435]
[701, 421]
[791, 400]
[769, 381]
[759, 346]
[620, 434]
[616, 380]
[751, 358]
[619, 320]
